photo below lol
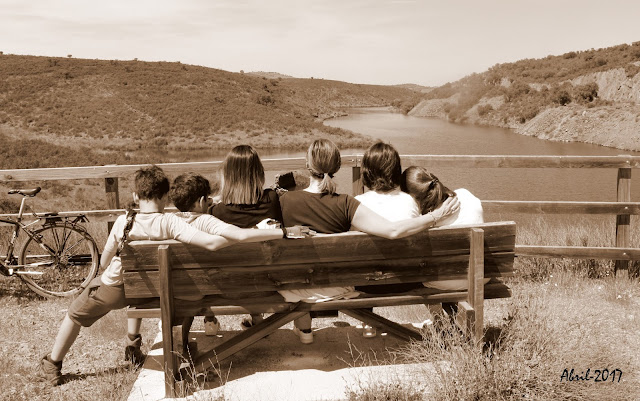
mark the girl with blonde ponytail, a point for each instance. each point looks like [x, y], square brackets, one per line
[322, 209]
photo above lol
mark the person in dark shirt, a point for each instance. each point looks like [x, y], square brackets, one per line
[244, 203]
[325, 211]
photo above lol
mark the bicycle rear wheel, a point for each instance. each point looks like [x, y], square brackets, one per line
[66, 271]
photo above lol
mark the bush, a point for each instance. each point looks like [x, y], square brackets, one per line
[562, 97]
[586, 93]
[484, 109]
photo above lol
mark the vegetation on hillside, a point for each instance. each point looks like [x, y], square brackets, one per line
[516, 92]
[136, 105]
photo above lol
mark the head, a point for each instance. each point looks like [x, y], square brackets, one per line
[381, 170]
[242, 177]
[323, 161]
[190, 192]
[425, 188]
[151, 184]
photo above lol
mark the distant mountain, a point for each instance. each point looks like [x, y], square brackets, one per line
[134, 106]
[269, 75]
[588, 96]
[417, 88]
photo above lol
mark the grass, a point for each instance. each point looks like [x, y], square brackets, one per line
[564, 314]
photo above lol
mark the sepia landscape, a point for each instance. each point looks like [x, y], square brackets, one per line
[549, 144]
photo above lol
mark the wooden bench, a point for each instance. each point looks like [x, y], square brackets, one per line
[162, 270]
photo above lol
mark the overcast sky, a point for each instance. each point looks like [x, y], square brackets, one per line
[363, 41]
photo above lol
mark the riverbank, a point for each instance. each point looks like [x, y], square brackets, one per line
[615, 126]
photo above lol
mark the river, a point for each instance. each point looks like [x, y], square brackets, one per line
[418, 135]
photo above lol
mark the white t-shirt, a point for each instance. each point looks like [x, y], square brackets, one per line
[146, 226]
[470, 213]
[204, 222]
[393, 206]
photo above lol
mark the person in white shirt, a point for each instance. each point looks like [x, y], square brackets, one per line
[430, 193]
[382, 174]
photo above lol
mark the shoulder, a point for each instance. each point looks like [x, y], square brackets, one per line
[269, 195]
[464, 194]
[366, 196]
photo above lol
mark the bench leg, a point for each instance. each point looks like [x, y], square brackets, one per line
[375, 320]
[244, 339]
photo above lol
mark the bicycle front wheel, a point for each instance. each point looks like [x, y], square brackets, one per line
[73, 263]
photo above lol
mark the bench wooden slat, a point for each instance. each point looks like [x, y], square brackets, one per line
[276, 304]
[331, 248]
[313, 275]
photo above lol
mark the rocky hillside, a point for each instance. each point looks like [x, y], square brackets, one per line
[133, 106]
[591, 96]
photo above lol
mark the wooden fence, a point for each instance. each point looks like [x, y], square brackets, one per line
[623, 208]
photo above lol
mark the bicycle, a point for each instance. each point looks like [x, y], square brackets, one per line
[59, 257]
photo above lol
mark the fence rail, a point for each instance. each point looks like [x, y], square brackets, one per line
[623, 208]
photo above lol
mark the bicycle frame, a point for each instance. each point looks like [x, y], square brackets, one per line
[9, 264]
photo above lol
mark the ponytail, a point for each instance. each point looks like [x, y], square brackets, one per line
[323, 161]
[327, 186]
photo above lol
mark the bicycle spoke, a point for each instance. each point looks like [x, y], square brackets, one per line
[73, 262]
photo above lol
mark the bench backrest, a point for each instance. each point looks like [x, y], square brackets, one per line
[326, 260]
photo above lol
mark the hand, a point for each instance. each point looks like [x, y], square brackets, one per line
[449, 207]
[299, 232]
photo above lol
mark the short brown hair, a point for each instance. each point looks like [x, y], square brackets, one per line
[381, 169]
[151, 183]
[243, 177]
[323, 161]
[187, 188]
[425, 188]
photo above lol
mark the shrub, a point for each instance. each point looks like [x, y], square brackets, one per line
[586, 93]
[484, 109]
[562, 97]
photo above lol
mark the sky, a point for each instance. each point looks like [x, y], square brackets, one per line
[361, 41]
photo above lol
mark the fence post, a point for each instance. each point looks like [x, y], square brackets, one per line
[113, 196]
[356, 180]
[623, 221]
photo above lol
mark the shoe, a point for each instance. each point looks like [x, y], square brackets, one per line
[50, 371]
[134, 355]
[305, 338]
[132, 351]
[369, 331]
[212, 327]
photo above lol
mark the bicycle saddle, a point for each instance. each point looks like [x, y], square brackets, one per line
[25, 192]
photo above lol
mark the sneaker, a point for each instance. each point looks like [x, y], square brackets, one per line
[134, 355]
[246, 324]
[369, 331]
[132, 351]
[305, 338]
[212, 327]
[50, 371]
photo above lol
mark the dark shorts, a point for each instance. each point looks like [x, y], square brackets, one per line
[96, 301]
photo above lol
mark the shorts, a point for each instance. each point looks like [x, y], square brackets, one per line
[96, 301]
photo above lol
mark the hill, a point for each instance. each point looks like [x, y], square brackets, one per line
[587, 96]
[133, 106]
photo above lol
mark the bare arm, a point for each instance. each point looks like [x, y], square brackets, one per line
[367, 221]
[211, 242]
[234, 233]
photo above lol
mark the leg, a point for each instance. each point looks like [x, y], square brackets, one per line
[133, 326]
[67, 335]
[302, 327]
[186, 327]
[132, 351]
